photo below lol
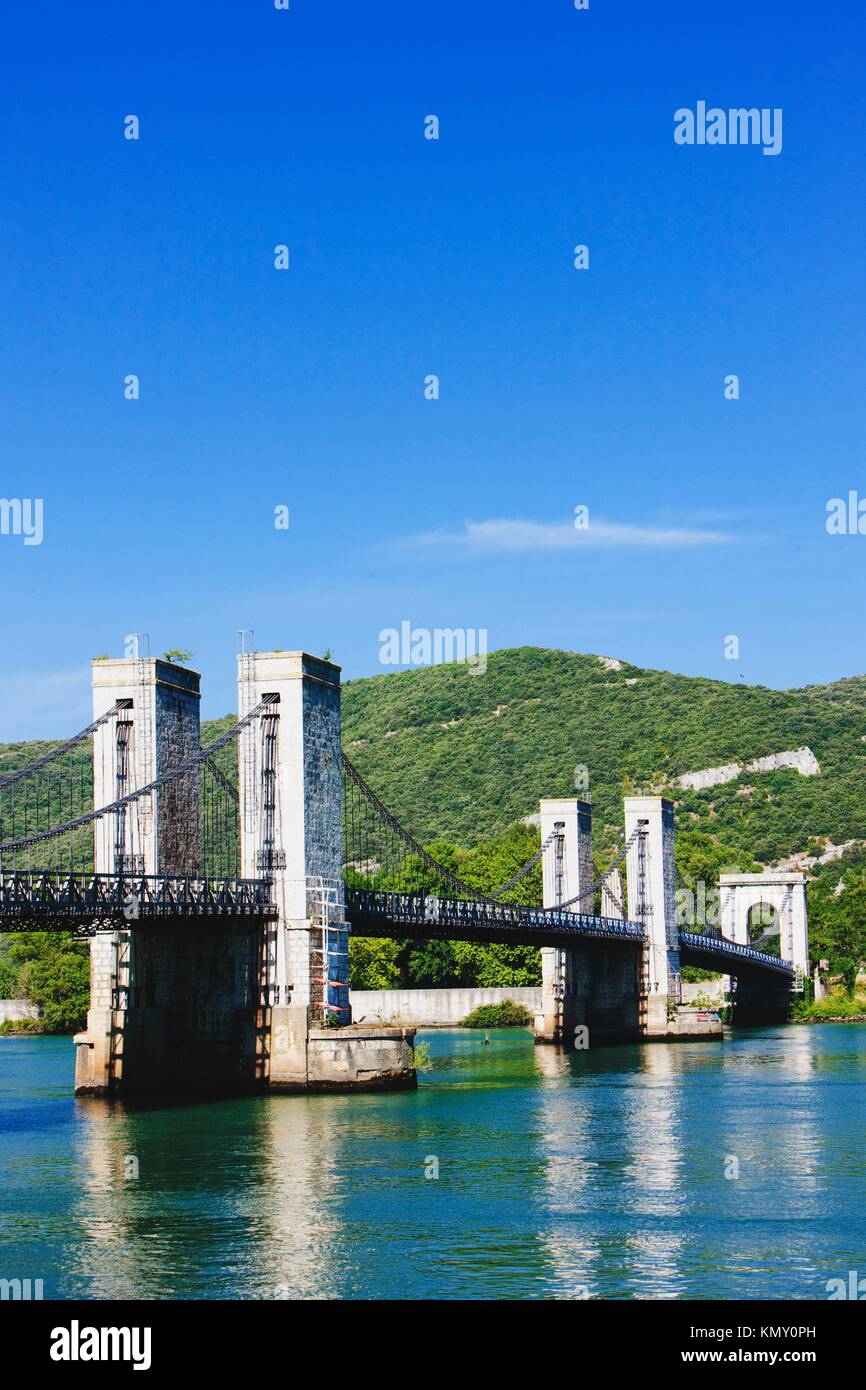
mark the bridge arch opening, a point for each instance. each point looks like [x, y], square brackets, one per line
[767, 911]
[765, 928]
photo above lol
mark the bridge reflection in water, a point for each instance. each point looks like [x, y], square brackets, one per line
[558, 1173]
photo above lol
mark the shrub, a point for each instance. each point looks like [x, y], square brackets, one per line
[504, 1015]
[422, 1057]
[830, 1007]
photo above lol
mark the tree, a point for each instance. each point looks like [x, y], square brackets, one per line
[179, 655]
[701, 858]
[431, 964]
[373, 963]
[8, 974]
[54, 974]
[497, 967]
[837, 923]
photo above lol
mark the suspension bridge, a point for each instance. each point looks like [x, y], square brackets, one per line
[219, 883]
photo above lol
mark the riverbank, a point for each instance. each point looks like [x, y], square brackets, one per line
[831, 1018]
[19, 1013]
[24, 1027]
[833, 1008]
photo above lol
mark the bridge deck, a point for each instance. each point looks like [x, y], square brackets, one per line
[729, 958]
[54, 900]
[419, 916]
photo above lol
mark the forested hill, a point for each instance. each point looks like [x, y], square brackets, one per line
[462, 755]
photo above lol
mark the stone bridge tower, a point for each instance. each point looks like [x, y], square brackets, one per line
[566, 872]
[291, 817]
[651, 881]
[783, 892]
[593, 985]
[156, 728]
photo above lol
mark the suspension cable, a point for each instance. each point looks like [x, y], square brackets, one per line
[392, 823]
[530, 864]
[61, 748]
[163, 780]
[599, 882]
[225, 782]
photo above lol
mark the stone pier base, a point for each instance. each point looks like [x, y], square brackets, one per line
[142, 1051]
[601, 994]
[310, 1058]
[92, 1055]
[183, 1014]
[690, 1025]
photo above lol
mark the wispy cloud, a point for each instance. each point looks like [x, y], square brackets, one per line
[512, 535]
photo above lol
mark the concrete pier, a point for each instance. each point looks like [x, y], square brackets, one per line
[354, 1058]
[131, 980]
[651, 884]
[782, 896]
[617, 991]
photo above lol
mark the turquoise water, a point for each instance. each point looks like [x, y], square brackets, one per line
[598, 1174]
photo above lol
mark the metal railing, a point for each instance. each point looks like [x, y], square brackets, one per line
[108, 902]
[430, 912]
[711, 944]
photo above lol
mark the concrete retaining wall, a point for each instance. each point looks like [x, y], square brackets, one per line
[12, 1009]
[695, 1025]
[710, 989]
[431, 1008]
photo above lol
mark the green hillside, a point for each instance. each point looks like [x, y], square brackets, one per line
[463, 756]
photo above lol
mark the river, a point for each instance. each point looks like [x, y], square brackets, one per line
[595, 1174]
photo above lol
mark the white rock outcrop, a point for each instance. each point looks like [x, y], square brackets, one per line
[710, 777]
[802, 760]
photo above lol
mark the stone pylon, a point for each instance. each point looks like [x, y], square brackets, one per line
[782, 891]
[651, 881]
[291, 817]
[156, 728]
[567, 872]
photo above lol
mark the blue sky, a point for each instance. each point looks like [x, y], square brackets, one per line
[305, 388]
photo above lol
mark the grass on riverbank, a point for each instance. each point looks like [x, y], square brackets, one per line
[22, 1025]
[834, 1006]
